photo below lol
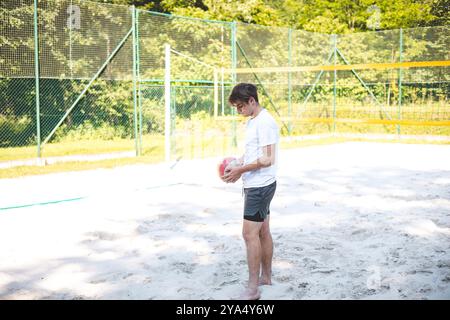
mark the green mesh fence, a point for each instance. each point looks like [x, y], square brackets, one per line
[198, 47]
[426, 91]
[76, 38]
[152, 120]
[205, 41]
[415, 94]
[17, 83]
[364, 94]
[387, 100]
[290, 96]
[196, 132]
[91, 55]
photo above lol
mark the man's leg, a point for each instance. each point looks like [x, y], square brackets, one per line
[250, 232]
[266, 253]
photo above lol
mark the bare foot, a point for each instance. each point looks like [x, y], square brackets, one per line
[265, 282]
[250, 294]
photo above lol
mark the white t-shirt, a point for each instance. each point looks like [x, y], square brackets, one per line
[261, 131]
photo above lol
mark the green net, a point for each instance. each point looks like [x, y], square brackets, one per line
[91, 55]
[365, 98]
[426, 91]
[199, 49]
[76, 38]
[290, 96]
[364, 94]
[17, 84]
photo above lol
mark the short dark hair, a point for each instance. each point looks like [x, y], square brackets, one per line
[242, 93]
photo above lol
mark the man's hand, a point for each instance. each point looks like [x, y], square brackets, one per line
[232, 175]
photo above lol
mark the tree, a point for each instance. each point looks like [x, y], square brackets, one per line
[328, 16]
[441, 13]
[345, 16]
[250, 11]
[154, 5]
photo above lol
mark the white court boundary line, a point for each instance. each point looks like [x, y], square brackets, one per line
[53, 160]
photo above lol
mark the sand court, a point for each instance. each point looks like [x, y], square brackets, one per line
[355, 220]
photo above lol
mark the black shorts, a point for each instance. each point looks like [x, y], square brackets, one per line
[257, 202]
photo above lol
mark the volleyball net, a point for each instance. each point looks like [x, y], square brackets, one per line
[393, 81]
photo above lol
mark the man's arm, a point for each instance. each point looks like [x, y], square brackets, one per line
[267, 159]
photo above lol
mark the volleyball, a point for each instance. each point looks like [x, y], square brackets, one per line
[226, 164]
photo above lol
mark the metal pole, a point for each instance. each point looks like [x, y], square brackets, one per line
[167, 89]
[70, 40]
[334, 80]
[233, 75]
[134, 82]
[222, 58]
[223, 93]
[289, 80]
[233, 51]
[138, 59]
[216, 93]
[36, 74]
[400, 82]
[173, 115]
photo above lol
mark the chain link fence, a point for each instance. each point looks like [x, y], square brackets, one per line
[100, 79]
[198, 48]
[85, 90]
[374, 98]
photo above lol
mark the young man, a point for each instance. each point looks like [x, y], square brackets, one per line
[258, 173]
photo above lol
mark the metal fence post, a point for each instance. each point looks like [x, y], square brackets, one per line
[134, 82]
[167, 91]
[334, 82]
[222, 91]
[400, 82]
[173, 117]
[233, 80]
[233, 50]
[216, 93]
[138, 65]
[36, 74]
[289, 81]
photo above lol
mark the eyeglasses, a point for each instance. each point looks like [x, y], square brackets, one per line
[241, 105]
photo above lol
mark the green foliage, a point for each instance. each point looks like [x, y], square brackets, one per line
[441, 13]
[16, 131]
[155, 5]
[326, 16]
[89, 131]
[345, 15]
[17, 119]
[249, 11]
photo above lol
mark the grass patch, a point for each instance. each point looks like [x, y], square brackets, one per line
[67, 148]
[76, 166]
[82, 147]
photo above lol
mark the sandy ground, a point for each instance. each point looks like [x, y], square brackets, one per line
[349, 221]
